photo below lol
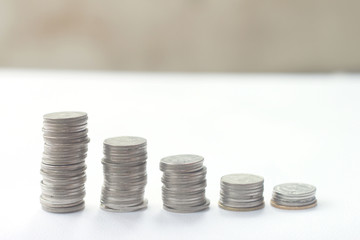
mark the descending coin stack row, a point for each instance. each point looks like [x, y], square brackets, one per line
[294, 196]
[241, 192]
[184, 179]
[125, 175]
[124, 164]
[63, 163]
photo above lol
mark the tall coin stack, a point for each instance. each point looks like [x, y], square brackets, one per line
[241, 192]
[63, 163]
[294, 196]
[125, 177]
[184, 183]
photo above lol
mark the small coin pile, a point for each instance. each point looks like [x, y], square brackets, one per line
[125, 177]
[241, 192]
[63, 162]
[294, 196]
[184, 183]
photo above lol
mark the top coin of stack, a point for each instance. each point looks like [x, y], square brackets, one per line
[184, 182]
[294, 196]
[63, 163]
[241, 192]
[125, 177]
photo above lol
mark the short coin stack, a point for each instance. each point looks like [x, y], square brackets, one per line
[184, 182]
[241, 192]
[63, 163]
[125, 177]
[294, 196]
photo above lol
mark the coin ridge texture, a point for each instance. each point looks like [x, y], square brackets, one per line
[63, 164]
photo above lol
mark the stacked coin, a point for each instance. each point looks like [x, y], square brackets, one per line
[293, 196]
[63, 163]
[241, 192]
[125, 177]
[184, 179]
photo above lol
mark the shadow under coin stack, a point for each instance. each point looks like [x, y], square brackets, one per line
[294, 196]
[63, 163]
[241, 192]
[184, 179]
[125, 177]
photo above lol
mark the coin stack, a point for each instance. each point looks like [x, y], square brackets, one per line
[241, 192]
[63, 163]
[294, 196]
[125, 177]
[184, 183]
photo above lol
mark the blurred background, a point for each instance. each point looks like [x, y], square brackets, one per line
[181, 35]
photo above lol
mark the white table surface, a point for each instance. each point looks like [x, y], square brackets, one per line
[287, 128]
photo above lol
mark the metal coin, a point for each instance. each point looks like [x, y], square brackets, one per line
[241, 209]
[274, 204]
[63, 163]
[184, 183]
[120, 209]
[294, 189]
[64, 116]
[70, 209]
[125, 178]
[125, 142]
[242, 179]
[294, 196]
[188, 209]
[241, 192]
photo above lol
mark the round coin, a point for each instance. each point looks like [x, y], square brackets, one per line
[64, 116]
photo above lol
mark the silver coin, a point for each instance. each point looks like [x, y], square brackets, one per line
[126, 156]
[71, 139]
[120, 209]
[55, 187]
[65, 129]
[121, 186]
[130, 193]
[64, 116]
[124, 150]
[62, 200]
[66, 149]
[61, 205]
[188, 209]
[67, 125]
[125, 142]
[125, 178]
[77, 134]
[184, 183]
[294, 189]
[244, 206]
[124, 168]
[295, 203]
[241, 201]
[294, 196]
[234, 195]
[181, 161]
[241, 192]
[125, 161]
[68, 143]
[198, 194]
[185, 187]
[69, 209]
[242, 179]
[63, 162]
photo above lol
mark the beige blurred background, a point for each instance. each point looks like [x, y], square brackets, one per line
[181, 35]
